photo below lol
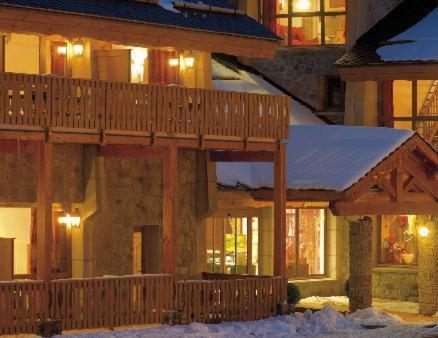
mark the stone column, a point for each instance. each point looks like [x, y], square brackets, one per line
[361, 237]
[428, 267]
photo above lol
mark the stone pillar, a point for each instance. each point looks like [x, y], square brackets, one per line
[361, 237]
[428, 267]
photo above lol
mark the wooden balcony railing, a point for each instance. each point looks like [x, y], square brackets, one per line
[89, 105]
[132, 300]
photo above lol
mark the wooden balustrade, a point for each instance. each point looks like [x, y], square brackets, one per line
[133, 300]
[230, 300]
[88, 105]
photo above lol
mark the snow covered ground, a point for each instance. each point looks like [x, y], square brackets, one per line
[325, 323]
[341, 303]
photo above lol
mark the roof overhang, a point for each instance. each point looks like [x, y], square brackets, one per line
[35, 21]
[390, 71]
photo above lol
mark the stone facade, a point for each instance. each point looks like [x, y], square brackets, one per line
[301, 71]
[428, 267]
[399, 283]
[131, 196]
[19, 176]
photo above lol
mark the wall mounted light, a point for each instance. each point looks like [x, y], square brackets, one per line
[70, 220]
[423, 232]
[78, 48]
[189, 61]
[174, 62]
[61, 50]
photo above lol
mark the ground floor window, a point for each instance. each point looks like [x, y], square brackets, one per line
[232, 245]
[305, 242]
[398, 244]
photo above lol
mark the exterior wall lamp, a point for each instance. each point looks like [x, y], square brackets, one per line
[78, 48]
[70, 221]
[189, 61]
[174, 62]
[61, 50]
[423, 232]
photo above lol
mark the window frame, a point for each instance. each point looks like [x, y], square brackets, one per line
[297, 240]
[322, 14]
[223, 216]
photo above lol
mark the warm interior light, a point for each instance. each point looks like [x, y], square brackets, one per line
[423, 231]
[70, 221]
[173, 62]
[138, 55]
[62, 50]
[78, 48]
[189, 61]
[303, 5]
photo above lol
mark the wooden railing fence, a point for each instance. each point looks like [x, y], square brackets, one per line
[89, 105]
[132, 300]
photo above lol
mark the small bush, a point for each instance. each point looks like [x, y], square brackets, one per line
[347, 287]
[293, 294]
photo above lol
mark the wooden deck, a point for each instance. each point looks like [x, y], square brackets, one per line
[108, 302]
[94, 111]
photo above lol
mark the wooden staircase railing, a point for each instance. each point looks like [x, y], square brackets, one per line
[429, 129]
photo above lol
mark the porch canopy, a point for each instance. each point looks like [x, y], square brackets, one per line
[359, 170]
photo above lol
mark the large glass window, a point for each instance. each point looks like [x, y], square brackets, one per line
[306, 22]
[305, 239]
[232, 245]
[398, 244]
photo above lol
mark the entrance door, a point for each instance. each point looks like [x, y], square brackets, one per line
[146, 249]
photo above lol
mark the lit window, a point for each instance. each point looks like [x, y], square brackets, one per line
[305, 238]
[306, 22]
[232, 245]
[398, 244]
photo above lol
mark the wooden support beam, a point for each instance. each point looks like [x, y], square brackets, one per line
[151, 152]
[170, 209]
[241, 156]
[44, 211]
[383, 208]
[280, 212]
[299, 195]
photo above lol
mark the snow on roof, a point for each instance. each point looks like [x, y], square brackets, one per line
[225, 78]
[320, 157]
[418, 43]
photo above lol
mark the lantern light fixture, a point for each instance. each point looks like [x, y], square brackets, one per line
[303, 5]
[173, 62]
[70, 221]
[423, 232]
[78, 48]
[189, 61]
[62, 50]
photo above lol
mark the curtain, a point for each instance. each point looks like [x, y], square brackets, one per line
[269, 12]
[386, 104]
[58, 61]
[159, 70]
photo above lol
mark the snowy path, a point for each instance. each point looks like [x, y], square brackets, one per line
[325, 323]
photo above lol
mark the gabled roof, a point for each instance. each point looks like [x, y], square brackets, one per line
[163, 13]
[320, 157]
[408, 34]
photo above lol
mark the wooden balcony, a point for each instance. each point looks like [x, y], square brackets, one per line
[89, 111]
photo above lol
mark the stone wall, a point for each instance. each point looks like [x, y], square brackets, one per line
[377, 9]
[399, 283]
[132, 197]
[18, 180]
[301, 70]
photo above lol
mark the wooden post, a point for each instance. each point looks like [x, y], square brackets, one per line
[280, 212]
[361, 237]
[170, 205]
[44, 211]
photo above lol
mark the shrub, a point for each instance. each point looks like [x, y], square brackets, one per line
[293, 294]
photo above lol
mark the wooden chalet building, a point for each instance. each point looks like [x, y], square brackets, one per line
[107, 112]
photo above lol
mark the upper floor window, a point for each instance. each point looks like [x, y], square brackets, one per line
[306, 22]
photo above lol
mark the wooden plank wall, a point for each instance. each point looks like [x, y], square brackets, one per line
[45, 101]
[133, 300]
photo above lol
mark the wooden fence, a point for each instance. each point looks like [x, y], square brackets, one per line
[129, 300]
[51, 102]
